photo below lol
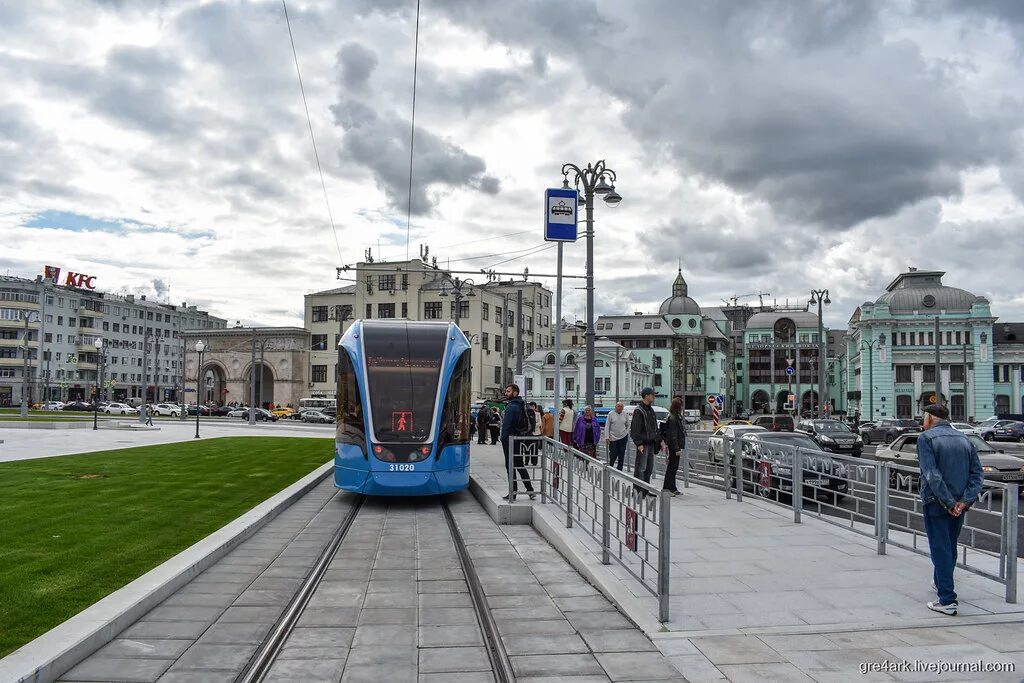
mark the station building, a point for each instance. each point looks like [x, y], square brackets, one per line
[417, 290]
[52, 328]
[619, 374]
[892, 346]
[779, 358]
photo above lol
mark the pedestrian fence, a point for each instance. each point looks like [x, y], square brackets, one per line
[629, 518]
[876, 499]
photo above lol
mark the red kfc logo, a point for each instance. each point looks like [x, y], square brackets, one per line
[80, 280]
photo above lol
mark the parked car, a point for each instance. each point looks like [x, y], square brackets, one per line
[691, 415]
[118, 409]
[965, 428]
[316, 416]
[720, 441]
[203, 410]
[1011, 432]
[78, 406]
[988, 428]
[262, 414]
[283, 412]
[887, 429]
[775, 423]
[996, 465]
[53, 405]
[167, 410]
[218, 411]
[768, 467]
[238, 411]
[834, 436]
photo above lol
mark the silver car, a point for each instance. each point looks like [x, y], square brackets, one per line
[996, 465]
[717, 442]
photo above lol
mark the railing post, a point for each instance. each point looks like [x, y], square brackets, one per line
[664, 552]
[882, 472]
[569, 458]
[606, 513]
[511, 464]
[686, 468]
[797, 481]
[738, 469]
[1011, 521]
[543, 470]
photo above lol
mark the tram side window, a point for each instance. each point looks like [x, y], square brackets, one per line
[350, 404]
[455, 417]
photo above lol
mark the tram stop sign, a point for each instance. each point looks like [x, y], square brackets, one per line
[560, 212]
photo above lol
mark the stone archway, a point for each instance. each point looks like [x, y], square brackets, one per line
[808, 401]
[759, 401]
[264, 384]
[213, 383]
[781, 399]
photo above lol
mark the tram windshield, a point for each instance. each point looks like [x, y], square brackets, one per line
[403, 365]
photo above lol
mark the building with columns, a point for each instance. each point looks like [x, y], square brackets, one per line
[619, 374]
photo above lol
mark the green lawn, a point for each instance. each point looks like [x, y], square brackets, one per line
[78, 527]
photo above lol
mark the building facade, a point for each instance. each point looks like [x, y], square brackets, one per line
[893, 342]
[779, 359]
[619, 374]
[414, 290]
[57, 359]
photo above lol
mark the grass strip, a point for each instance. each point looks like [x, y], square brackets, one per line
[76, 528]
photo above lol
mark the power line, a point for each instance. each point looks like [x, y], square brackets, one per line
[516, 258]
[309, 121]
[477, 258]
[488, 239]
[412, 127]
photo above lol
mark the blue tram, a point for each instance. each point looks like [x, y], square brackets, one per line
[403, 408]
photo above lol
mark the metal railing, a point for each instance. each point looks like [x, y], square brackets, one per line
[629, 518]
[876, 499]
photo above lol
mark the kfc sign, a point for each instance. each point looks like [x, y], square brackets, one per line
[79, 280]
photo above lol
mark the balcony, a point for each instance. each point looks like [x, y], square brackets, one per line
[84, 365]
[18, 324]
[17, 343]
[13, 362]
[19, 300]
[92, 310]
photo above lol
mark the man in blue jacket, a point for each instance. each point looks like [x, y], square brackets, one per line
[951, 480]
[515, 423]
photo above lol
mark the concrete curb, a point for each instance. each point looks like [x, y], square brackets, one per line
[31, 424]
[55, 652]
[551, 526]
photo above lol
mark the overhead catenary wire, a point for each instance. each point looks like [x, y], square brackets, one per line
[412, 126]
[309, 122]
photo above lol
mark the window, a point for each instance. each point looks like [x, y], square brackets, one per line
[405, 281]
[648, 326]
[485, 311]
[920, 338]
[319, 342]
[497, 375]
[385, 282]
[656, 362]
[956, 373]
[550, 359]
[117, 327]
[657, 379]
[660, 344]
[529, 384]
[958, 337]
[904, 374]
[497, 314]
[967, 337]
[549, 384]
[485, 340]
[60, 319]
[455, 415]
[570, 383]
[149, 315]
[931, 339]
[929, 373]
[369, 310]
[385, 310]
[497, 342]
[657, 326]
[511, 351]
[319, 314]
[350, 405]
[625, 326]
[463, 309]
[432, 310]
[949, 338]
[319, 373]
[894, 339]
[106, 326]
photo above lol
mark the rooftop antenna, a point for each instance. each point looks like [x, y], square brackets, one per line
[369, 254]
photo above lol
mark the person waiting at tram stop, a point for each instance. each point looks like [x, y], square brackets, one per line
[587, 432]
[617, 436]
[482, 420]
[646, 435]
[494, 425]
[516, 422]
[675, 441]
[566, 422]
[547, 423]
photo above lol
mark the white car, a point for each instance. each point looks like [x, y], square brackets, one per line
[167, 409]
[119, 409]
[239, 412]
[53, 405]
[717, 441]
[965, 428]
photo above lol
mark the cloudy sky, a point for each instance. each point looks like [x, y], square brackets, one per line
[771, 146]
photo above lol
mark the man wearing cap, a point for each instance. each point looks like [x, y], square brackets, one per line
[645, 434]
[951, 479]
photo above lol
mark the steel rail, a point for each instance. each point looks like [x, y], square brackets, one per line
[268, 651]
[501, 665]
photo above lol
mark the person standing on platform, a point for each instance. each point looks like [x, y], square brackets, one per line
[548, 426]
[587, 432]
[482, 420]
[566, 422]
[494, 425]
[644, 431]
[675, 441]
[516, 422]
[617, 431]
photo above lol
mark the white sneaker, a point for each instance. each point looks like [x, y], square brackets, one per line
[949, 610]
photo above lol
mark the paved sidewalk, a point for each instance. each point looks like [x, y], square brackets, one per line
[755, 595]
[25, 444]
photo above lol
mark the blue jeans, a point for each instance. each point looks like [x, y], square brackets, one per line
[943, 531]
[617, 452]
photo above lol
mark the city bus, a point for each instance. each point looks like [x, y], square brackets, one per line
[316, 403]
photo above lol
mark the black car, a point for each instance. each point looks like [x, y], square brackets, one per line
[221, 411]
[887, 429]
[80, 406]
[774, 423]
[768, 467]
[1010, 432]
[834, 436]
[203, 410]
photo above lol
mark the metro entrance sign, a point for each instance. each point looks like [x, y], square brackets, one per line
[560, 205]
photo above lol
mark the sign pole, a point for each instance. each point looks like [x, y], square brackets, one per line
[560, 225]
[558, 339]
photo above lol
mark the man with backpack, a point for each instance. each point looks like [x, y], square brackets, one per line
[516, 423]
[646, 434]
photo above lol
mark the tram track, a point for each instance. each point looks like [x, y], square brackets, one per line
[267, 654]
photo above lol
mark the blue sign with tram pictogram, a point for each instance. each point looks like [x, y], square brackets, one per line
[560, 213]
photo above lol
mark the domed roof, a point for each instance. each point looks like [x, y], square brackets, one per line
[679, 302]
[923, 291]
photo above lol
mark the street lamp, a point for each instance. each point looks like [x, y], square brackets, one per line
[99, 382]
[871, 371]
[454, 286]
[200, 347]
[594, 179]
[819, 296]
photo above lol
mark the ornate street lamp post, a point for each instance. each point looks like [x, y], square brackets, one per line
[458, 288]
[819, 296]
[600, 180]
[200, 347]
